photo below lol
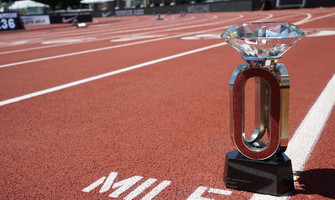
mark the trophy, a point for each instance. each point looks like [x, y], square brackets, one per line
[260, 164]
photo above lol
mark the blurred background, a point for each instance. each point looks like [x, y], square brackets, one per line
[154, 6]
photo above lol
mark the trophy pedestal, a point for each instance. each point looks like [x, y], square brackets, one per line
[271, 176]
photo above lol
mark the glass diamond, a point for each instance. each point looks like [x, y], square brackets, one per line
[263, 40]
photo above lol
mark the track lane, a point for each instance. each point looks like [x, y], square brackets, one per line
[90, 39]
[158, 99]
[15, 63]
[161, 33]
[316, 181]
[176, 109]
[148, 102]
[26, 81]
[148, 24]
[8, 78]
[34, 77]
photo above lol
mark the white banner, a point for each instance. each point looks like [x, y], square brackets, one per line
[198, 8]
[32, 20]
[129, 12]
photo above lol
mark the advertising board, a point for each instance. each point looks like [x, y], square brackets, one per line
[33, 20]
[69, 17]
[10, 21]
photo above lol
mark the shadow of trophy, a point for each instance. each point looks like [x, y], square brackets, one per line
[260, 164]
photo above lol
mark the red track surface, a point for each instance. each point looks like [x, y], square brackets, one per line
[167, 120]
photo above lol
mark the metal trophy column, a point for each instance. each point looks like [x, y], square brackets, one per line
[260, 165]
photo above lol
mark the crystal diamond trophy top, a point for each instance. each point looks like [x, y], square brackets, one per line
[260, 164]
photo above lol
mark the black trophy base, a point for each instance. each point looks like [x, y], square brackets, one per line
[272, 176]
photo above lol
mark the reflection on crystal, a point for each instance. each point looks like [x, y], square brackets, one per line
[262, 41]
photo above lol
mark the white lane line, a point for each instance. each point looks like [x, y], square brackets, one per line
[308, 133]
[317, 18]
[125, 29]
[152, 30]
[306, 136]
[60, 87]
[303, 20]
[96, 50]
[108, 48]
[318, 114]
[124, 45]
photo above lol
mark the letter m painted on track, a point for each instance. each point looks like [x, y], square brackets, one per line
[123, 185]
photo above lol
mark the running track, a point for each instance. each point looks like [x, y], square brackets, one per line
[134, 108]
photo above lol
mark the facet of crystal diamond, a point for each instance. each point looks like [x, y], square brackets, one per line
[262, 40]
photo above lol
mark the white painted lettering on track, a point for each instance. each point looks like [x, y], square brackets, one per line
[141, 188]
[201, 191]
[156, 190]
[124, 186]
